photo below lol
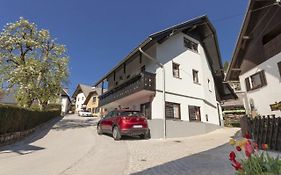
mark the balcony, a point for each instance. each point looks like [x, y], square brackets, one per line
[143, 81]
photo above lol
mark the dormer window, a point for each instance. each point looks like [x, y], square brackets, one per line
[190, 45]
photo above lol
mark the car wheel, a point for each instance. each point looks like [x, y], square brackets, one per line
[116, 133]
[99, 131]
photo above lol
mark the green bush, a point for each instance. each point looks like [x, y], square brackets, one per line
[14, 119]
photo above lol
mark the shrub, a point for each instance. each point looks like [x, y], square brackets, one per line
[14, 119]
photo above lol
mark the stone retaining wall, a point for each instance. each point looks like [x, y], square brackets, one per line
[9, 138]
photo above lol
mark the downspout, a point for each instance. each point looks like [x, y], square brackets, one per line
[164, 91]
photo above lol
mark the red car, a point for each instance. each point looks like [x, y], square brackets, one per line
[123, 122]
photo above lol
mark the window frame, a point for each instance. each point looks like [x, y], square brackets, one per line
[249, 81]
[197, 73]
[189, 112]
[178, 70]
[179, 110]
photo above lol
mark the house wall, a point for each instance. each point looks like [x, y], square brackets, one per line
[268, 94]
[65, 105]
[80, 98]
[133, 67]
[183, 90]
[93, 105]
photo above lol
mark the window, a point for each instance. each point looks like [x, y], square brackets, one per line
[209, 85]
[190, 45]
[255, 81]
[82, 98]
[279, 67]
[143, 69]
[172, 110]
[176, 70]
[195, 76]
[78, 99]
[94, 99]
[194, 113]
[97, 110]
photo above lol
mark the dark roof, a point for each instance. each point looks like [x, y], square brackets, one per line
[199, 26]
[261, 17]
[82, 88]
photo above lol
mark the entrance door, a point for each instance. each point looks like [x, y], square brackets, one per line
[146, 109]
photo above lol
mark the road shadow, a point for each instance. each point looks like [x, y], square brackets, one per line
[24, 146]
[75, 124]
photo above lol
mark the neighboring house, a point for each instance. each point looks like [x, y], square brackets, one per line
[234, 108]
[65, 102]
[92, 102]
[185, 60]
[79, 95]
[256, 62]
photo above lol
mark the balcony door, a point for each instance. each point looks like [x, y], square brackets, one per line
[146, 109]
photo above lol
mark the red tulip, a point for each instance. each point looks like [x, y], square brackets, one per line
[247, 136]
[248, 149]
[238, 148]
[232, 156]
[248, 154]
[264, 146]
[237, 165]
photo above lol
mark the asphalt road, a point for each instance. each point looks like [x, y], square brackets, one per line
[71, 146]
[65, 146]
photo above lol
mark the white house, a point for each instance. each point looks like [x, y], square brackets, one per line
[256, 62]
[80, 94]
[175, 74]
[65, 102]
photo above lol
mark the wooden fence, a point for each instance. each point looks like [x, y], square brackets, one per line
[265, 129]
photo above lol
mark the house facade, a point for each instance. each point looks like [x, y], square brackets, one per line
[65, 102]
[92, 102]
[256, 62]
[79, 96]
[174, 76]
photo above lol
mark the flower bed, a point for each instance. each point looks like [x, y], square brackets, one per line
[250, 159]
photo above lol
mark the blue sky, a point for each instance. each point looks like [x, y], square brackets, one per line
[98, 34]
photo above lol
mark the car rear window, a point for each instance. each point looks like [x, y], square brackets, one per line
[129, 113]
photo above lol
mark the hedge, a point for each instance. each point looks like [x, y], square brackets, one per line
[14, 119]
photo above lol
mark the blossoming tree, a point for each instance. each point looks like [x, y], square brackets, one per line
[32, 63]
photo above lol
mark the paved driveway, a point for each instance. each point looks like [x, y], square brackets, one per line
[64, 147]
[70, 146]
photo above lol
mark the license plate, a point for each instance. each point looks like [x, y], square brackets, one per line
[137, 126]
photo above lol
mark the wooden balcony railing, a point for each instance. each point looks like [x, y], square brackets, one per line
[143, 81]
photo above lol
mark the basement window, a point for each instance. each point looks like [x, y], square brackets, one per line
[190, 45]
